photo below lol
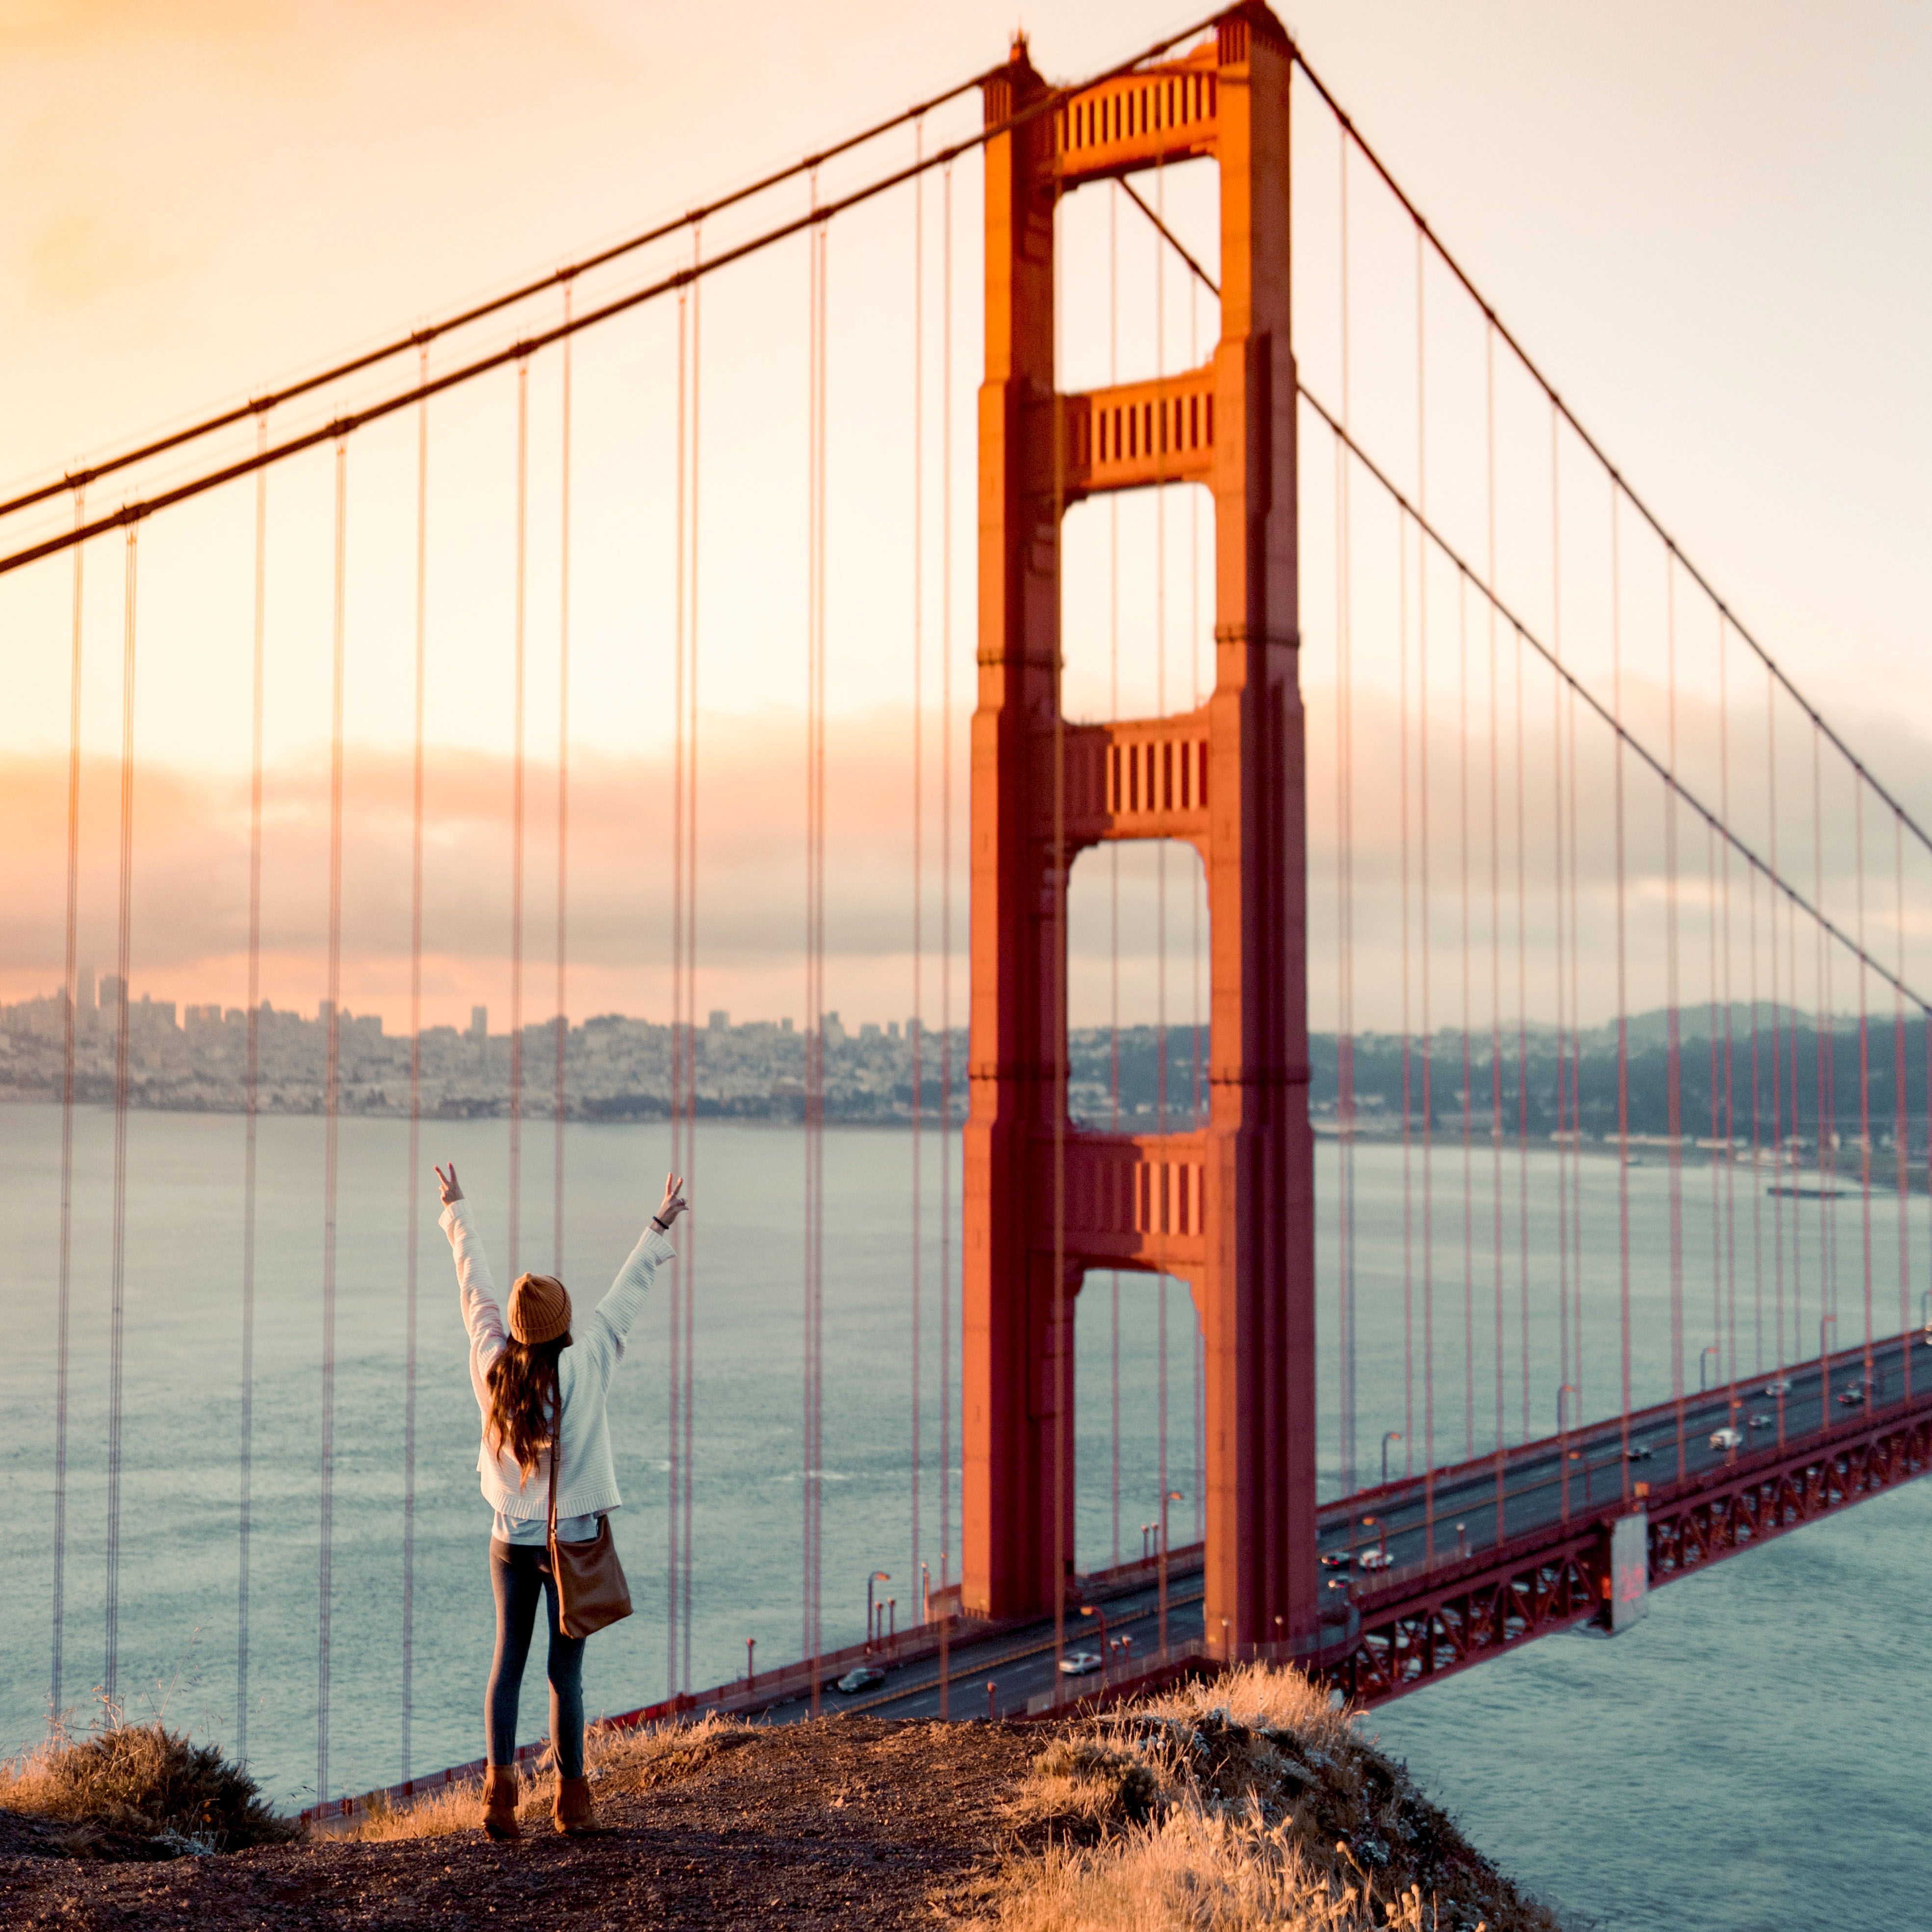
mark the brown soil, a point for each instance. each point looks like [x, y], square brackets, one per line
[855, 1822]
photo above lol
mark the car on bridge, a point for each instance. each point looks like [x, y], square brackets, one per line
[1727, 1438]
[1760, 1420]
[1781, 1387]
[1852, 1397]
[1639, 1452]
[1079, 1663]
[1338, 1559]
[861, 1677]
[1377, 1559]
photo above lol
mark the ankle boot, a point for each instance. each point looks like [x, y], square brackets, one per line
[500, 1802]
[574, 1816]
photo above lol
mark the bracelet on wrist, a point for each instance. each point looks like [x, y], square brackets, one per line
[663, 1227]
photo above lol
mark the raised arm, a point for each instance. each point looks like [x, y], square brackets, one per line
[481, 1316]
[624, 1299]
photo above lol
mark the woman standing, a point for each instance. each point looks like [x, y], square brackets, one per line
[538, 1387]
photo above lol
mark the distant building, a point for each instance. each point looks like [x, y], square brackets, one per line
[111, 991]
[479, 1024]
[85, 1001]
[720, 1021]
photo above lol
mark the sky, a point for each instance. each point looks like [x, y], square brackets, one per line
[1709, 225]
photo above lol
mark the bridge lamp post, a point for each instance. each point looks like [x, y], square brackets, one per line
[1709, 1349]
[1106, 1652]
[1392, 1435]
[1167, 1496]
[877, 1577]
[751, 1648]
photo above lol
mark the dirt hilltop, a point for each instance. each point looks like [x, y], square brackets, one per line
[852, 1823]
[1242, 1803]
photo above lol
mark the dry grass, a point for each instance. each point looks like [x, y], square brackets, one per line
[614, 1761]
[1197, 1869]
[138, 1791]
[1244, 1801]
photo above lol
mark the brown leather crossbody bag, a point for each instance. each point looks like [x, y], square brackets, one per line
[591, 1591]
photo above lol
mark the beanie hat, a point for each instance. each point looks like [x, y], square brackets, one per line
[539, 1309]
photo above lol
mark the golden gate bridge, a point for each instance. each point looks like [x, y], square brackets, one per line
[1479, 767]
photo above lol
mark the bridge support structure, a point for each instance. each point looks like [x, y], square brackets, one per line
[1228, 1207]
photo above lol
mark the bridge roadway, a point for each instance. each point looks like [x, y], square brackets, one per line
[1576, 1478]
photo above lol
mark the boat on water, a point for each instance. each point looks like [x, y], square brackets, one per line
[1796, 1190]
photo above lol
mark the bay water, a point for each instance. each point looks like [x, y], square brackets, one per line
[1746, 1758]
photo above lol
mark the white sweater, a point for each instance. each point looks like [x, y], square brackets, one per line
[588, 1482]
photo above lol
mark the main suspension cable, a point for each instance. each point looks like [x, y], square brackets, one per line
[421, 338]
[1618, 480]
[819, 212]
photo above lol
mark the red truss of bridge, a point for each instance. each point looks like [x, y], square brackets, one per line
[1416, 1630]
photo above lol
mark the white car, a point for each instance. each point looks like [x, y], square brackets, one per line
[1726, 1438]
[1377, 1559]
[1780, 1387]
[1078, 1663]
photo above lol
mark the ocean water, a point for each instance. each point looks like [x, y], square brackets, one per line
[1656, 1780]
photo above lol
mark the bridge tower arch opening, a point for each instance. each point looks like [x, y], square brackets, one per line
[1231, 1204]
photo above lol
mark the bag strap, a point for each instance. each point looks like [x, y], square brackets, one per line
[556, 1444]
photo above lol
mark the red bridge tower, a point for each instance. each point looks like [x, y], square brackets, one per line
[1229, 1210]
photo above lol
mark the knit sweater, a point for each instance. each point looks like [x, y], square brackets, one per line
[587, 1483]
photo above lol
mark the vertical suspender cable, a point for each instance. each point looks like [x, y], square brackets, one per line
[687, 1405]
[415, 1190]
[563, 802]
[331, 1107]
[1826, 1034]
[1495, 912]
[1160, 850]
[250, 1102]
[1756, 1116]
[1673, 1052]
[946, 905]
[1901, 1117]
[70, 1025]
[1522, 1037]
[1428, 1040]
[814, 1080]
[516, 818]
[123, 953]
[1468, 1078]
[918, 798]
[1864, 1074]
[674, 1519]
[1113, 847]
[1576, 875]
[1730, 1068]
[1197, 1436]
[1623, 980]
[1564, 1153]
[1777, 1029]
[1344, 887]
[1408, 1192]
[1062, 1318]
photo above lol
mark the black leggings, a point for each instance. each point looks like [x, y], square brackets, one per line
[520, 1574]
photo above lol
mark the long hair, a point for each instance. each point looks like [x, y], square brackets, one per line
[524, 1398]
